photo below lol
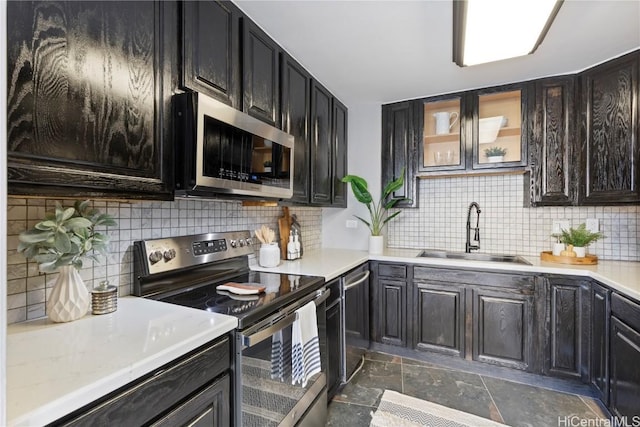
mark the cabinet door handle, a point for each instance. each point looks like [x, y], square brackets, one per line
[364, 277]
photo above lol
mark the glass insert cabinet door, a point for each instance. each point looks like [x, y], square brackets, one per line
[498, 130]
[443, 142]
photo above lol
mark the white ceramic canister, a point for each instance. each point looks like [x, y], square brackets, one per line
[269, 255]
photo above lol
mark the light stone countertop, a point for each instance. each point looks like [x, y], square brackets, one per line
[622, 276]
[56, 368]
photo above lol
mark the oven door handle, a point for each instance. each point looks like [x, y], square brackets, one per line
[364, 277]
[262, 334]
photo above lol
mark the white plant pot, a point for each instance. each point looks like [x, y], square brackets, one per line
[69, 300]
[376, 244]
[495, 159]
[580, 251]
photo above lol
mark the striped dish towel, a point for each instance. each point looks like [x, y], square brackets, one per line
[277, 356]
[305, 347]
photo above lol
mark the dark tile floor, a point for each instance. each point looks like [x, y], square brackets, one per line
[503, 401]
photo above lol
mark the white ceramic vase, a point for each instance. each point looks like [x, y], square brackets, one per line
[376, 244]
[580, 251]
[69, 300]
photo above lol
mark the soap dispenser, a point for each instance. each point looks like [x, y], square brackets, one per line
[291, 247]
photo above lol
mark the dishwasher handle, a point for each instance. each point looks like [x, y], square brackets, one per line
[356, 282]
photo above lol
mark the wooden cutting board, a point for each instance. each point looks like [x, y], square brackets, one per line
[284, 226]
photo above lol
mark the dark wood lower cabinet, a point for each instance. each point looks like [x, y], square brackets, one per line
[625, 372]
[193, 390]
[624, 380]
[208, 408]
[568, 320]
[600, 315]
[502, 328]
[563, 326]
[438, 310]
[392, 312]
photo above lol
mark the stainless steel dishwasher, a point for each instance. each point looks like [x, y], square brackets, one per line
[355, 315]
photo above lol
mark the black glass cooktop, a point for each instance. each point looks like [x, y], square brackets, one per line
[280, 290]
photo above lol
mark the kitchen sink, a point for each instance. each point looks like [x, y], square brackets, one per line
[474, 256]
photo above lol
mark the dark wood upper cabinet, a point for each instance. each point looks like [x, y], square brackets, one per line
[399, 149]
[260, 74]
[610, 152]
[551, 142]
[211, 49]
[295, 87]
[321, 145]
[88, 97]
[339, 137]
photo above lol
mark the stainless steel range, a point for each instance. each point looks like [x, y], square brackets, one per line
[187, 271]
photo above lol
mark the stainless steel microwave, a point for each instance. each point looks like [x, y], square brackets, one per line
[220, 150]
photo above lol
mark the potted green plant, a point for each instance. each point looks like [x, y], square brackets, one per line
[577, 239]
[60, 242]
[495, 154]
[378, 211]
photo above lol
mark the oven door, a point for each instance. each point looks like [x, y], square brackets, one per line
[264, 385]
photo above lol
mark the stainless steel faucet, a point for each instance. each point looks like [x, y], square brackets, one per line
[476, 237]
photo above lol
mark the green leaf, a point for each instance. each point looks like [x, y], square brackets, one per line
[62, 242]
[45, 258]
[391, 203]
[393, 186]
[78, 223]
[68, 213]
[359, 188]
[35, 236]
[106, 220]
[390, 217]
[46, 225]
[363, 220]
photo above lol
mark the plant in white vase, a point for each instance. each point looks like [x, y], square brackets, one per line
[60, 242]
[577, 239]
[379, 211]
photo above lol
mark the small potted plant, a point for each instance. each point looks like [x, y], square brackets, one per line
[60, 242]
[495, 154]
[267, 166]
[379, 211]
[577, 239]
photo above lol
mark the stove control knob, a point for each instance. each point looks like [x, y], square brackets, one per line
[241, 242]
[233, 243]
[155, 256]
[169, 254]
[249, 241]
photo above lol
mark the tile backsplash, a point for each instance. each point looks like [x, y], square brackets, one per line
[27, 288]
[505, 225]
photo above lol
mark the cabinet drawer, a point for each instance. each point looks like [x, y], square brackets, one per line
[392, 270]
[139, 402]
[626, 310]
[474, 278]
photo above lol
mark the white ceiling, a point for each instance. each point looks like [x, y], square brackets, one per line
[384, 51]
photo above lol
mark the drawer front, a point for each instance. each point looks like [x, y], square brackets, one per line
[474, 277]
[141, 401]
[626, 310]
[392, 270]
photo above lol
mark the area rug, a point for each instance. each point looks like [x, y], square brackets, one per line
[399, 410]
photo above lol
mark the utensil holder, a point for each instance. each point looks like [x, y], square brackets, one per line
[269, 255]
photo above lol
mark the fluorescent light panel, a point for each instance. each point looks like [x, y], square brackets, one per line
[501, 29]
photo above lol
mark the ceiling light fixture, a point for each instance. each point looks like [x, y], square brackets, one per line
[491, 30]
